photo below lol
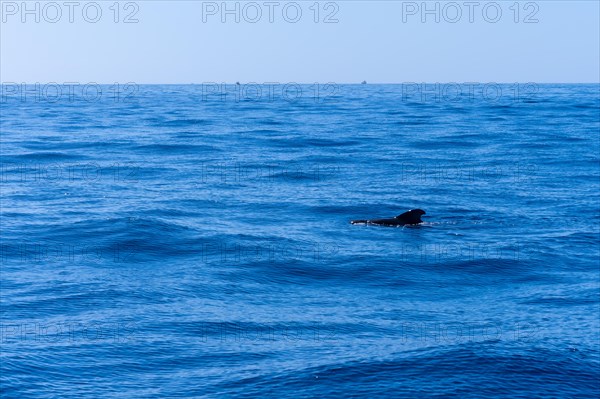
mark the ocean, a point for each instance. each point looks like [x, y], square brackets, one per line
[187, 241]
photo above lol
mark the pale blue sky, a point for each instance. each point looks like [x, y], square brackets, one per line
[171, 44]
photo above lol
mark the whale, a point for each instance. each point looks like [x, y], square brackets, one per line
[411, 217]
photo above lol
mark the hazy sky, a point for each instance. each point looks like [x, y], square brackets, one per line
[378, 41]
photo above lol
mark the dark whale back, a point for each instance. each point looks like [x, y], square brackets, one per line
[411, 217]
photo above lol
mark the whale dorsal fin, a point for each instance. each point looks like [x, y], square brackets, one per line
[411, 217]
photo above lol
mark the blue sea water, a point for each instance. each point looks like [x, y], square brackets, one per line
[176, 242]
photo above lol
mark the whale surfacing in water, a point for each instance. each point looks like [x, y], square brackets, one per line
[411, 217]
